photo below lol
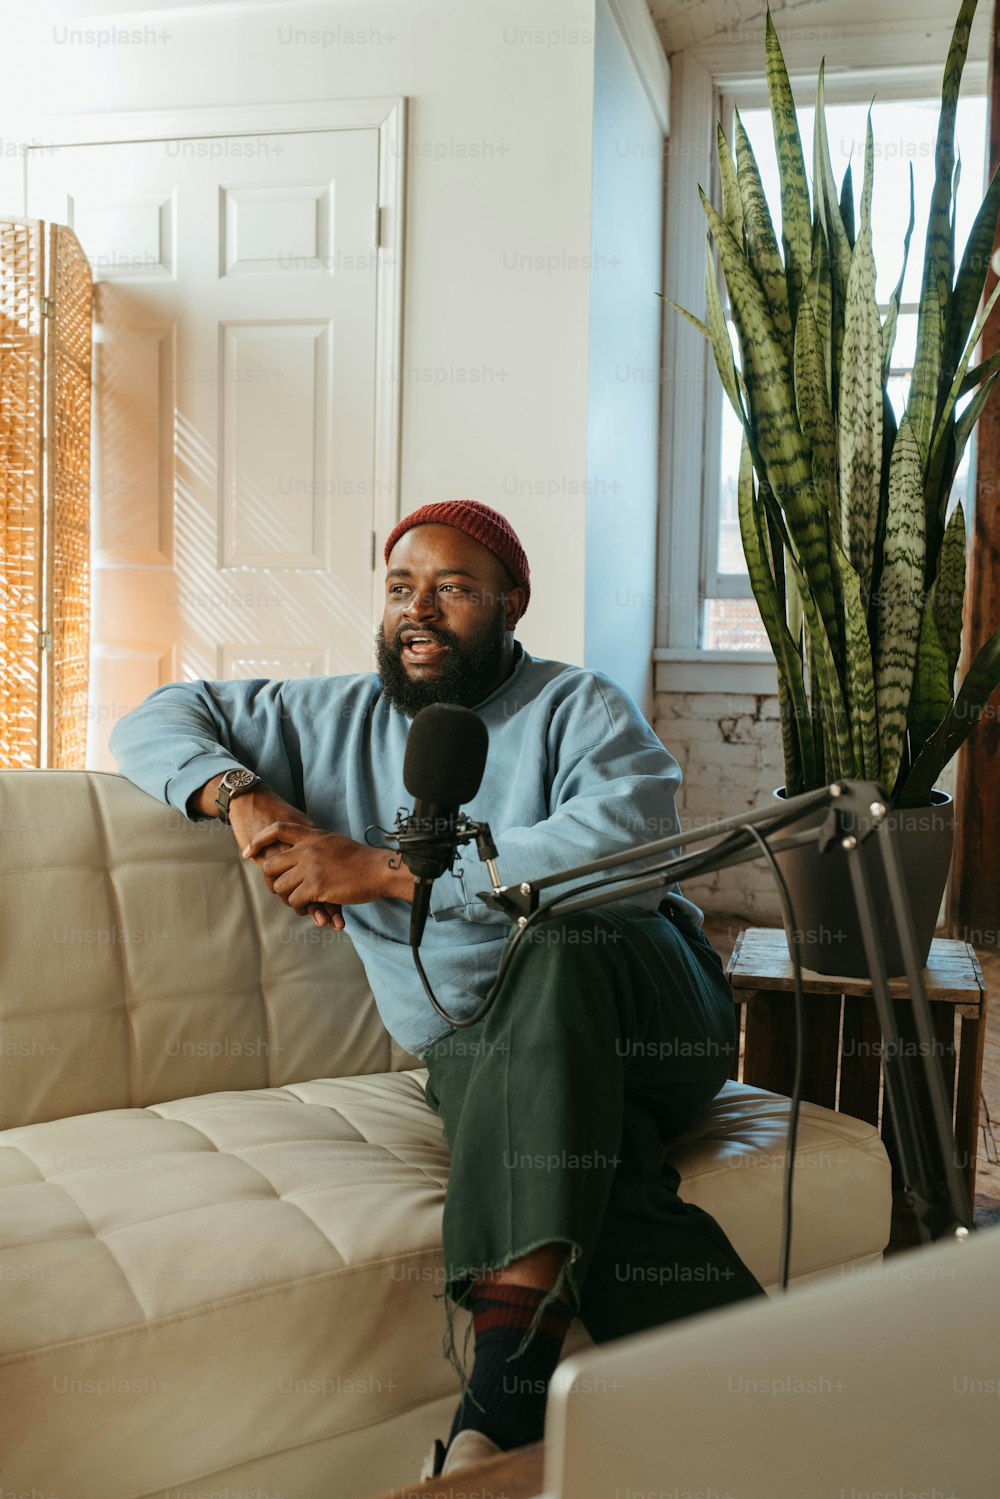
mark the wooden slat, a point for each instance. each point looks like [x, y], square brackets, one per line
[861, 1060]
[761, 961]
[734, 1071]
[769, 1054]
[970, 1070]
[821, 1048]
[943, 1022]
[68, 498]
[22, 282]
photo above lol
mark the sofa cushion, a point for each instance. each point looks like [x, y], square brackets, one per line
[211, 1279]
[169, 968]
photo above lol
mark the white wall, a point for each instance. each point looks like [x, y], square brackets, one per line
[624, 391]
[495, 332]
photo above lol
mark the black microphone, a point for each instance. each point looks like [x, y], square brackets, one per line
[442, 768]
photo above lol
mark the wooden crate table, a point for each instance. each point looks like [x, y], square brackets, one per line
[842, 1041]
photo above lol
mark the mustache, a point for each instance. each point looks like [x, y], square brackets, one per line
[444, 637]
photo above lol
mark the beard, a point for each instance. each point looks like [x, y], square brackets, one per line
[467, 674]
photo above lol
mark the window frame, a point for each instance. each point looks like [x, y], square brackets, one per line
[688, 547]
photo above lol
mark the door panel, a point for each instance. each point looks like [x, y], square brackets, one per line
[235, 403]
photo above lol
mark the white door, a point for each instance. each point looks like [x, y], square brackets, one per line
[235, 404]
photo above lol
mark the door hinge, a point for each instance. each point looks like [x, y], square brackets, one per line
[372, 562]
[48, 307]
[45, 640]
[377, 227]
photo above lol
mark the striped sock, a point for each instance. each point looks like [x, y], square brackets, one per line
[511, 1392]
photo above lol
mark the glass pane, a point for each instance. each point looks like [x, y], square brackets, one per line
[904, 350]
[904, 135]
[960, 488]
[899, 392]
[733, 625]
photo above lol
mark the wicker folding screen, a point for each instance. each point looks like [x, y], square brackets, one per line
[45, 386]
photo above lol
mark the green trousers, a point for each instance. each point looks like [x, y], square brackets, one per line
[613, 1029]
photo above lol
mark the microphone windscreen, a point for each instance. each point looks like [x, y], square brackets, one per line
[445, 755]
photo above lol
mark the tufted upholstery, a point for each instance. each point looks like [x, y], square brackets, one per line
[222, 1271]
[168, 967]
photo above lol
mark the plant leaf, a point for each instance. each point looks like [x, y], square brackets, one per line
[859, 675]
[783, 451]
[812, 400]
[949, 589]
[761, 244]
[892, 316]
[982, 680]
[847, 205]
[931, 697]
[820, 293]
[796, 223]
[860, 417]
[796, 725]
[978, 374]
[718, 335]
[965, 424]
[939, 254]
[694, 321]
[732, 203]
[839, 247]
[971, 278]
[838, 747]
[963, 364]
[899, 604]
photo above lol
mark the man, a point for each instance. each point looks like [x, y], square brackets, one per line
[609, 1033]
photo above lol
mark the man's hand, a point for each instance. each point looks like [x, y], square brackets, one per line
[312, 866]
[252, 811]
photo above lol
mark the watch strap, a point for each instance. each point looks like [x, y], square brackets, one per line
[240, 781]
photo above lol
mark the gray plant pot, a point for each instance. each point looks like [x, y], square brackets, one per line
[828, 933]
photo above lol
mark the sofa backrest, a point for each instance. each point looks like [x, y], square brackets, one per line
[141, 959]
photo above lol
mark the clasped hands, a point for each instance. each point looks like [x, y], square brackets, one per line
[307, 866]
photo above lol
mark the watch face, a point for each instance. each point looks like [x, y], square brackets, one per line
[238, 778]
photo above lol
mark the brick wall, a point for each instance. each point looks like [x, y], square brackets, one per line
[729, 749]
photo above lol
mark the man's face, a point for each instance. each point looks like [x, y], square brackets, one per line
[448, 610]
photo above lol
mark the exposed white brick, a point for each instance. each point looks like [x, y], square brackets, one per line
[724, 776]
[718, 704]
[671, 730]
[705, 755]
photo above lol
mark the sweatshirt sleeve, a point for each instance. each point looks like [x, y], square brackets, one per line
[187, 732]
[609, 793]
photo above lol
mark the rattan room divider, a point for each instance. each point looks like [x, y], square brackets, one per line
[46, 318]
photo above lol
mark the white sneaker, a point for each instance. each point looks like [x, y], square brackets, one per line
[470, 1446]
[434, 1461]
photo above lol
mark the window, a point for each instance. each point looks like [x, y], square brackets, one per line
[904, 133]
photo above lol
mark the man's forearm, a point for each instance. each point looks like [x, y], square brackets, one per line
[203, 800]
[392, 876]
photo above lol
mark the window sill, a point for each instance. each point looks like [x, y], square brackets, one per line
[681, 670]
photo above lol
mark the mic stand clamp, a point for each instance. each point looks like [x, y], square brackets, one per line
[437, 839]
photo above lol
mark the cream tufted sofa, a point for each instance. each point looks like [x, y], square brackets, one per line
[220, 1186]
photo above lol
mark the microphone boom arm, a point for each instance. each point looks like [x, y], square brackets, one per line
[857, 810]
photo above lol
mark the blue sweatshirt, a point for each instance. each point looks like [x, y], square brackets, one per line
[574, 771]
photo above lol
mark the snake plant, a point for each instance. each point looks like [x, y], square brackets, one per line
[857, 568]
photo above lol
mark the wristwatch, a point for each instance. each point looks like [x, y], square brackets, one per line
[234, 783]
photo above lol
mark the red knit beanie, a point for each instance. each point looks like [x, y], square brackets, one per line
[491, 529]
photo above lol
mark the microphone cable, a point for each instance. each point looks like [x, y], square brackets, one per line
[795, 1099]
